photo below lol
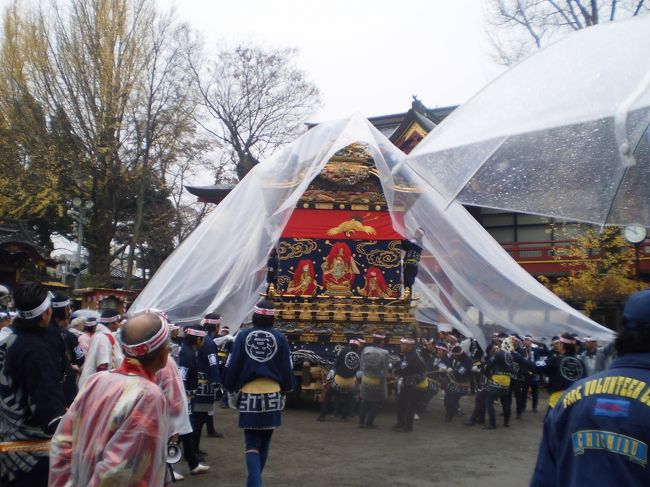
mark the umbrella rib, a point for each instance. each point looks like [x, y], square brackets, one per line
[469, 178]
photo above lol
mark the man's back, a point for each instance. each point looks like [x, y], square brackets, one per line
[31, 399]
[116, 429]
[598, 433]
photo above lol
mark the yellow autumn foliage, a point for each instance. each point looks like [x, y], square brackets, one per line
[600, 268]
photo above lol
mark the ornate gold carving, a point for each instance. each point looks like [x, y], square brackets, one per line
[373, 312]
[386, 259]
[356, 151]
[297, 248]
[355, 313]
[351, 226]
[305, 311]
[339, 312]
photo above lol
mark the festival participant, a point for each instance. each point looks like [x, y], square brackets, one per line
[460, 373]
[562, 370]
[224, 345]
[170, 382]
[105, 352]
[341, 389]
[428, 355]
[209, 377]
[31, 398]
[260, 366]
[532, 353]
[189, 370]
[374, 386]
[413, 384]
[116, 431]
[176, 342]
[304, 280]
[599, 431]
[375, 286]
[339, 269]
[499, 371]
[64, 347]
[518, 384]
[412, 253]
[90, 326]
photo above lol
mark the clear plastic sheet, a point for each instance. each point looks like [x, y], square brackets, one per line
[548, 136]
[221, 266]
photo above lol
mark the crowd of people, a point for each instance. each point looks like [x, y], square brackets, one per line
[510, 371]
[104, 400]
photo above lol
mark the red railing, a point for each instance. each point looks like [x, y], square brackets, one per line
[548, 256]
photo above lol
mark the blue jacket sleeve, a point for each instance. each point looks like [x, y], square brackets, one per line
[233, 367]
[288, 378]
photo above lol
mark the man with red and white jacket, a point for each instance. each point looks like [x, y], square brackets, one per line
[105, 352]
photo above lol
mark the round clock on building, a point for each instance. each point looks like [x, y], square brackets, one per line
[635, 234]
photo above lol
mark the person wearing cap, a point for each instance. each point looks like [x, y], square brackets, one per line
[209, 377]
[599, 431]
[341, 389]
[413, 383]
[260, 367]
[104, 352]
[374, 386]
[116, 431]
[31, 397]
[64, 347]
[189, 371]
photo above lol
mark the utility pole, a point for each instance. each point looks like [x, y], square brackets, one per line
[78, 212]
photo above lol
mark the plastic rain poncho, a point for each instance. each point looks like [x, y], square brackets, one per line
[104, 349]
[221, 266]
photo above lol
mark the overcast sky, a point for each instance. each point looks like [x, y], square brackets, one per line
[369, 56]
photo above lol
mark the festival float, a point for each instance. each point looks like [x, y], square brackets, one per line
[337, 271]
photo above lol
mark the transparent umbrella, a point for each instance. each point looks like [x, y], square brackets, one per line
[564, 133]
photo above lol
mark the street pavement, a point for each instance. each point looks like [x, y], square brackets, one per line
[308, 453]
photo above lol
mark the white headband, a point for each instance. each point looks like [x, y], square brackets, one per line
[150, 345]
[194, 332]
[112, 319]
[263, 311]
[38, 311]
[210, 321]
[60, 304]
